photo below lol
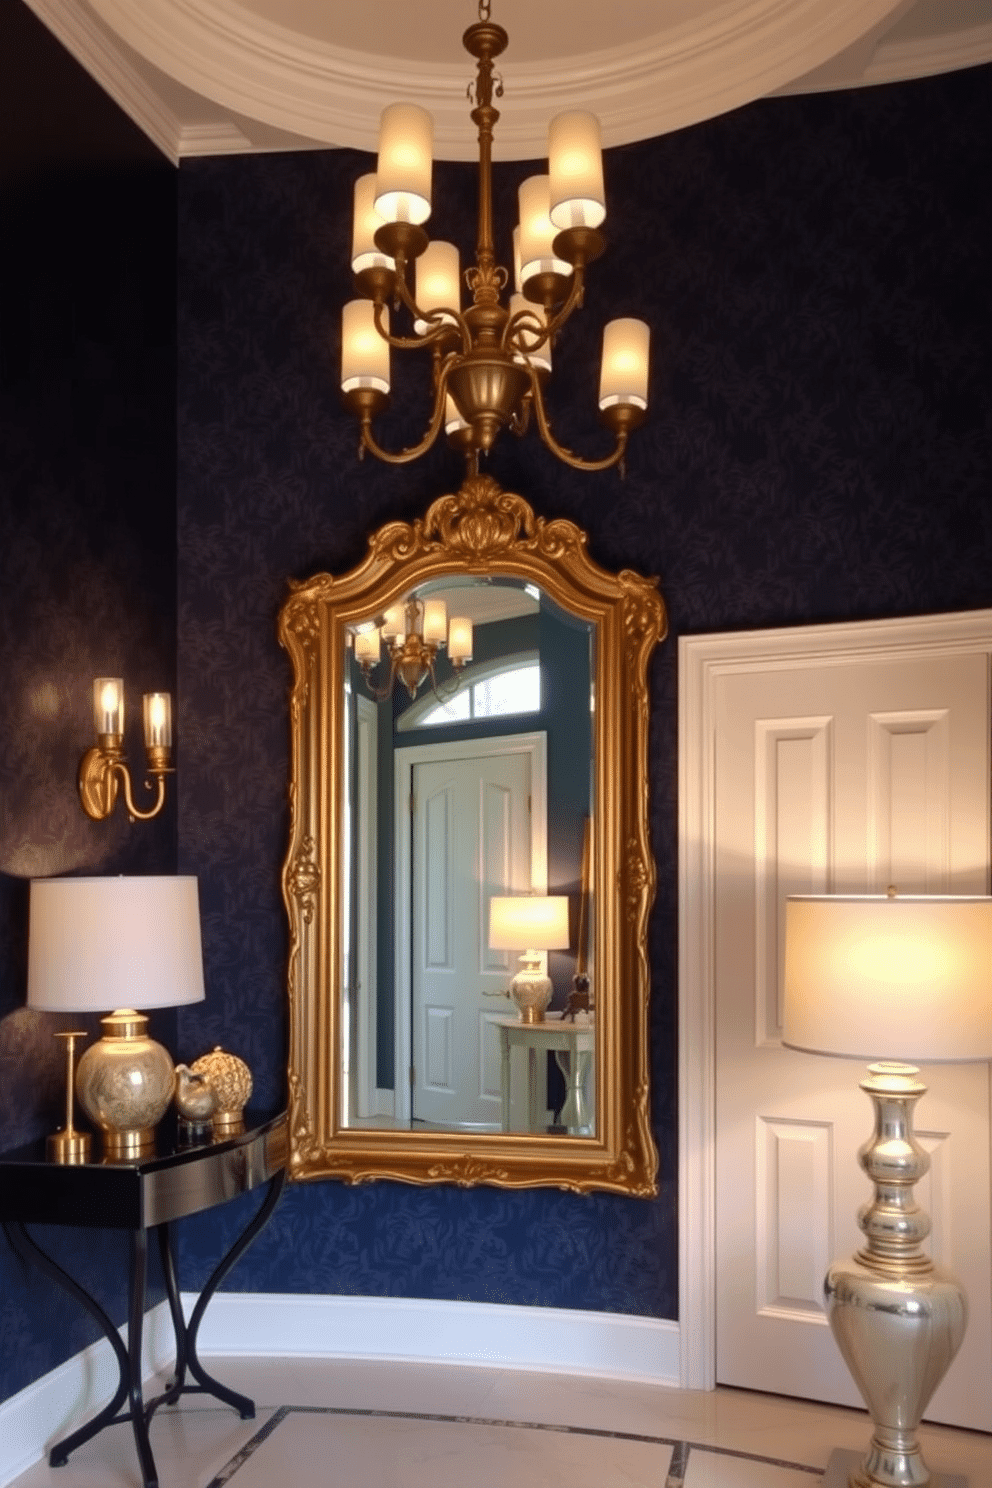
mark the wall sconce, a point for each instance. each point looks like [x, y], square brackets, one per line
[102, 766]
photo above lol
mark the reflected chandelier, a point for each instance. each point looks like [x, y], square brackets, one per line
[489, 362]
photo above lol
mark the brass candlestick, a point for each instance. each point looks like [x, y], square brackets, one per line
[69, 1145]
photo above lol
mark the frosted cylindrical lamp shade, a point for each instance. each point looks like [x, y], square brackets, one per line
[364, 253]
[539, 355]
[157, 717]
[99, 943]
[903, 978]
[520, 921]
[364, 352]
[108, 705]
[394, 624]
[537, 231]
[403, 171]
[368, 646]
[435, 621]
[575, 169]
[460, 639]
[453, 420]
[438, 282]
[624, 373]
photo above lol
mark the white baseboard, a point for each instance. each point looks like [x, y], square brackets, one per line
[299, 1325]
[64, 1398]
[609, 1344]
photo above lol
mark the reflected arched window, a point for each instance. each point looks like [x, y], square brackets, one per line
[489, 690]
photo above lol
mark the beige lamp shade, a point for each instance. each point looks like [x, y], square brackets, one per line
[894, 978]
[364, 353]
[624, 372]
[438, 283]
[536, 921]
[403, 172]
[575, 170]
[537, 231]
[366, 221]
[98, 943]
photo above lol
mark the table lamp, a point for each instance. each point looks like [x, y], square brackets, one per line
[539, 921]
[125, 943]
[902, 978]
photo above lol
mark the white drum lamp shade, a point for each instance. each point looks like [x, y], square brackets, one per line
[873, 977]
[126, 944]
[533, 922]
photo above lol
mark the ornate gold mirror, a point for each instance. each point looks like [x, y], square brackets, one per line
[469, 720]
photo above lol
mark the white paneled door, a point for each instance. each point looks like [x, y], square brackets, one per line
[471, 839]
[836, 775]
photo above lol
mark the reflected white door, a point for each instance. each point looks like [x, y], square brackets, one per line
[471, 840]
[837, 777]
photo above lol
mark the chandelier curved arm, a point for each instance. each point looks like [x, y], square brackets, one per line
[430, 337]
[565, 455]
[545, 331]
[414, 451]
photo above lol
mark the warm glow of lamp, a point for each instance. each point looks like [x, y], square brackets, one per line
[435, 621]
[895, 978]
[365, 223]
[364, 353]
[124, 943]
[624, 372]
[403, 171]
[368, 646]
[575, 171]
[438, 283]
[459, 639]
[108, 705]
[539, 922]
[157, 715]
[537, 231]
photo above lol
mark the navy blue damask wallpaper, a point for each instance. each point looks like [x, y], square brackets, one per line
[87, 588]
[815, 271]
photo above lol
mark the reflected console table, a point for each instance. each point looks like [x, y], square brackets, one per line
[573, 1045]
[147, 1194]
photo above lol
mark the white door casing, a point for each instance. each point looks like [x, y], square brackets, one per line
[802, 1133]
[474, 800]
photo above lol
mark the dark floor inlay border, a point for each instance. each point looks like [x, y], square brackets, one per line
[681, 1450]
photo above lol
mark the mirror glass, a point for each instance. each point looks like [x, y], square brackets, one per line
[472, 782]
[469, 875]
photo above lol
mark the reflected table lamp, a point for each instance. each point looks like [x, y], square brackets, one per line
[124, 943]
[540, 922]
[895, 978]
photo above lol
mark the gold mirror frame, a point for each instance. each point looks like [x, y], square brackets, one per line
[479, 530]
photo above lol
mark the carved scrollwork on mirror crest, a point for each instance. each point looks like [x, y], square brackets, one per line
[483, 532]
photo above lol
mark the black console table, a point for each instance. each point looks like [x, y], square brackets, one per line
[147, 1194]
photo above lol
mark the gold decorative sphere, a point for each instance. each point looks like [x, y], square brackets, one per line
[230, 1079]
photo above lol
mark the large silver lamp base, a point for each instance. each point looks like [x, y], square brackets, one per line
[897, 1318]
[843, 1468]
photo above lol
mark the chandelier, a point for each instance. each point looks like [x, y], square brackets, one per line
[490, 361]
[414, 632]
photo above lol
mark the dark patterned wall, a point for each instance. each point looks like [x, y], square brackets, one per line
[815, 271]
[87, 588]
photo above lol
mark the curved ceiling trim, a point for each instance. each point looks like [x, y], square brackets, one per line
[738, 52]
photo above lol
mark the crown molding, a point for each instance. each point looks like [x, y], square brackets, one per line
[121, 76]
[925, 57]
[306, 87]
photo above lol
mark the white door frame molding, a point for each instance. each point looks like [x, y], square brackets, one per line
[702, 659]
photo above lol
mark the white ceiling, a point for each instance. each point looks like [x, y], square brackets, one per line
[207, 77]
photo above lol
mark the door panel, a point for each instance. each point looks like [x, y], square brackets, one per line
[832, 778]
[471, 840]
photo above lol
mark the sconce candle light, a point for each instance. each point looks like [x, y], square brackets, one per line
[103, 766]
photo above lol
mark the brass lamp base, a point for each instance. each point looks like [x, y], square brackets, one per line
[125, 1083]
[843, 1468]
